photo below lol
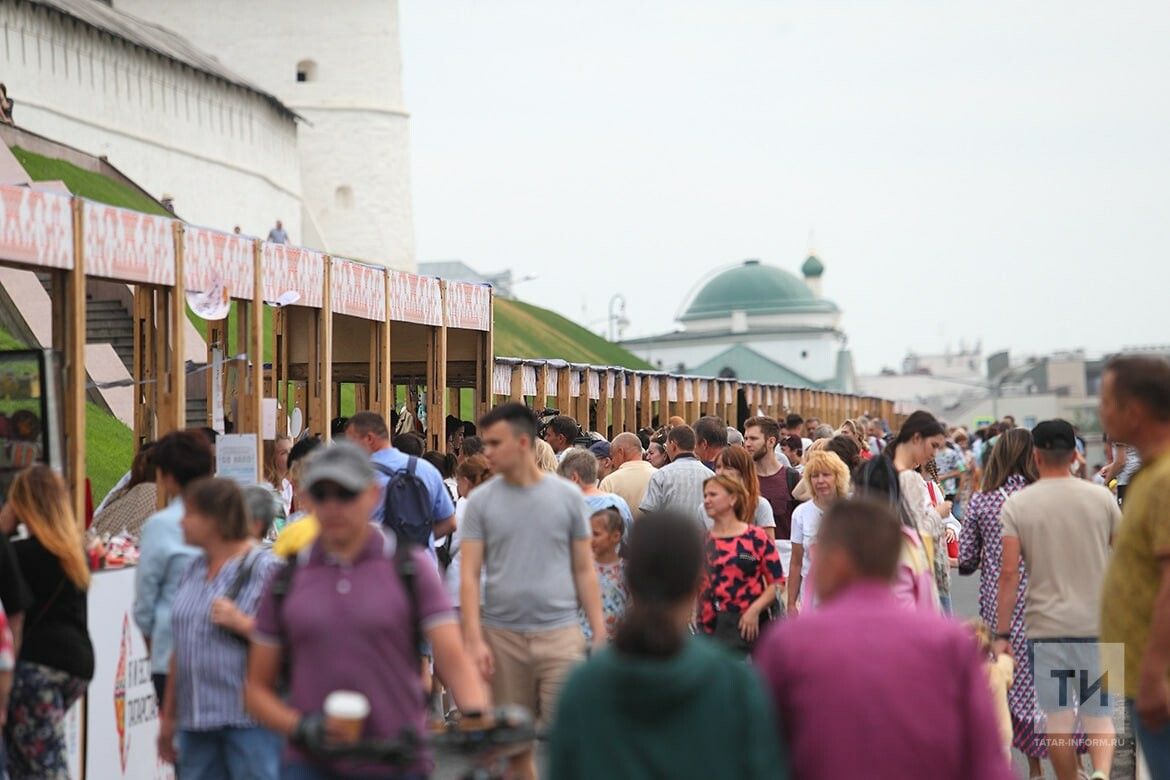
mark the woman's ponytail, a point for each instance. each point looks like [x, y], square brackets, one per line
[664, 561]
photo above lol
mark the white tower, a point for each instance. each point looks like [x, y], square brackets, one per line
[338, 65]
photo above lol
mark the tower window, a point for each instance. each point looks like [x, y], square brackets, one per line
[804, 353]
[306, 71]
[343, 197]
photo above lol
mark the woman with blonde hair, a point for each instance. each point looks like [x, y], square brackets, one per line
[546, 459]
[743, 567]
[56, 656]
[826, 479]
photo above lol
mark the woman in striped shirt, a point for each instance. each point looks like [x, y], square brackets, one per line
[213, 614]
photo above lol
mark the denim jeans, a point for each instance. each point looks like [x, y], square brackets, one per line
[1153, 745]
[230, 754]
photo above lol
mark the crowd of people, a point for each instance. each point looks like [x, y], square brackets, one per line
[693, 600]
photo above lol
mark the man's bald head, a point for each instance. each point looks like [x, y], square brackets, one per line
[624, 448]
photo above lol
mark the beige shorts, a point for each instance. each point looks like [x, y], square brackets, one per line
[532, 667]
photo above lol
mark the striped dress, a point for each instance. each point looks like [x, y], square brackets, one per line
[981, 545]
[211, 662]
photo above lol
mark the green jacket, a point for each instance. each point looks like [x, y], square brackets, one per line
[701, 714]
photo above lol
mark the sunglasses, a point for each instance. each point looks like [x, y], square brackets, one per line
[328, 492]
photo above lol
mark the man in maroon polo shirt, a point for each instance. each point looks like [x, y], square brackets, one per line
[347, 623]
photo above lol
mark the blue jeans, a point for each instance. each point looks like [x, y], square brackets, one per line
[298, 770]
[1154, 745]
[229, 754]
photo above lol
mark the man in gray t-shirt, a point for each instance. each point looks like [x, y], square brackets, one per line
[527, 533]
[531, 532]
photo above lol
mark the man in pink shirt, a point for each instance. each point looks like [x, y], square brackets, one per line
[864, 687]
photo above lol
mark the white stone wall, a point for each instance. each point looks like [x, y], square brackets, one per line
[358, 132]
[226, 154]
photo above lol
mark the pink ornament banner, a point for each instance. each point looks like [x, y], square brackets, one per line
[36, 227]
[128, 246]
[210, 257]
[469, 306]
[293, 269]
[358, 290]
[416, 299]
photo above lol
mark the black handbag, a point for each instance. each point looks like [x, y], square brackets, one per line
[727, 630]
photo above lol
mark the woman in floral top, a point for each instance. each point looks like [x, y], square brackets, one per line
[1010, 468]
[743, 567]
[608, 527]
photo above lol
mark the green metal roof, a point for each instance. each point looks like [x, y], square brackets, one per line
[813, 267]
[750, 366]
[755, 289]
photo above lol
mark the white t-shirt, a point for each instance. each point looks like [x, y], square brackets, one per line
[806, 521]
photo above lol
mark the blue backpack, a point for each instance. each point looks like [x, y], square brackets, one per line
[407, 508]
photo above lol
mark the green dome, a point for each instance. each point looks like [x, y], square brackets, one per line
[813, 267]
[755, 289]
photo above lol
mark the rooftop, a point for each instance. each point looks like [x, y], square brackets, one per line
[756, 289]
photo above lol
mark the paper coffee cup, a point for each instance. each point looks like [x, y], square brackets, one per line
[346, 712]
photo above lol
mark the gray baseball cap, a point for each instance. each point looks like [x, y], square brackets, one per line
[344, 464]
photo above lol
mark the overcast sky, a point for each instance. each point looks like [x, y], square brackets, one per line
[994, 170]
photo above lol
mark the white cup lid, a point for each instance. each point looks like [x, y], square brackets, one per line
[347, 704]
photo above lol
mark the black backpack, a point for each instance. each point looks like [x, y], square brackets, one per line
[407, 508]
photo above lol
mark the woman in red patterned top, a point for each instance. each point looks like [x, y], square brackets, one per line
[743, 567]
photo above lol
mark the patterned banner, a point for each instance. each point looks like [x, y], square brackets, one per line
[128, 246]
[208, 254]
[501, 379]
[672, 390]
[469, 306]
[550, 382]
[417, 299]
[528, 379]
[610, 383]
[36, 227]
[594, 384]
[293, 269]
[358, 290]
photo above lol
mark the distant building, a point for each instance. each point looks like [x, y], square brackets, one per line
[759, 323]
[1062, 384]
[245, 112]
[459, 271]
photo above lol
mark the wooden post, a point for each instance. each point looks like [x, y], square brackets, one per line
[372, 384]
[484, 369]
[541, 399]
[563, 384]
[166, 414]
[517, 383]
[177, 326]
[256, 353]
[632, 387]
[324, 368]
[664, 410]
[313, 408]
[582, 410]
[143, 366]
[280, 370]
[733, 405]
[386, 399]
[619, 401]
[646, 412]
[603, 403]
[437, 378]
[74, 369]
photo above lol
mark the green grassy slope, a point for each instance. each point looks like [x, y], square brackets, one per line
[526, 331]
[85, 183]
